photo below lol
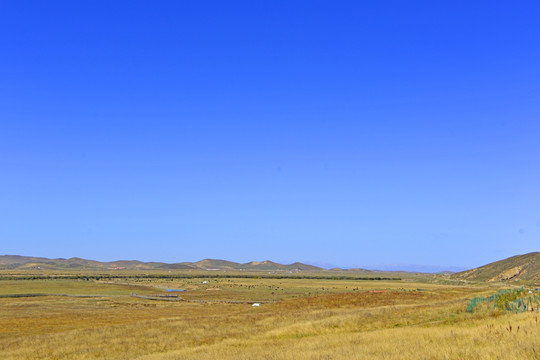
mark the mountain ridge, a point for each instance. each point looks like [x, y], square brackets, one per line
[19, 262]
[524, 267]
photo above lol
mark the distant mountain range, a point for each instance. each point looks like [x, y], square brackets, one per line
[415, 268]
[516, 268]
[29, 262]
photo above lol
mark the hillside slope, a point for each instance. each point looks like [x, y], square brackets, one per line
[12, 262]
[516, 268]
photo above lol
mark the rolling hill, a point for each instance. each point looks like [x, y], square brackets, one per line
[16, 262]
[516, 268]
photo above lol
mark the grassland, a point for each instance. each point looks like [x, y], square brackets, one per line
[307, 318]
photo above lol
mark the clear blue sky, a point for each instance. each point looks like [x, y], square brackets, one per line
[350, 133]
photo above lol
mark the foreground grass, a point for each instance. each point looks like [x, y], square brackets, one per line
[312, 320]
[478, 342]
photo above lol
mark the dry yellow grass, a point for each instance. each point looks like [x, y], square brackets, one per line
[343, 322]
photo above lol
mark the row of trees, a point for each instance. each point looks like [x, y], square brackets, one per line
[189, 276]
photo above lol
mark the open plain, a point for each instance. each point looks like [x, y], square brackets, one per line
[320, 315]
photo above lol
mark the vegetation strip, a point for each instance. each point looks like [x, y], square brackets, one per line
[512, 300]
[194, 276]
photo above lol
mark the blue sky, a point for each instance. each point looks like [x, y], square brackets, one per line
[350, 133]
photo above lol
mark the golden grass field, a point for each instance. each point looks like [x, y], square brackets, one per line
[297, 319]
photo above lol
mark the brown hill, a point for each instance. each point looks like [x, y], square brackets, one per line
[267, 265]
[29, 262]
[516, 268]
